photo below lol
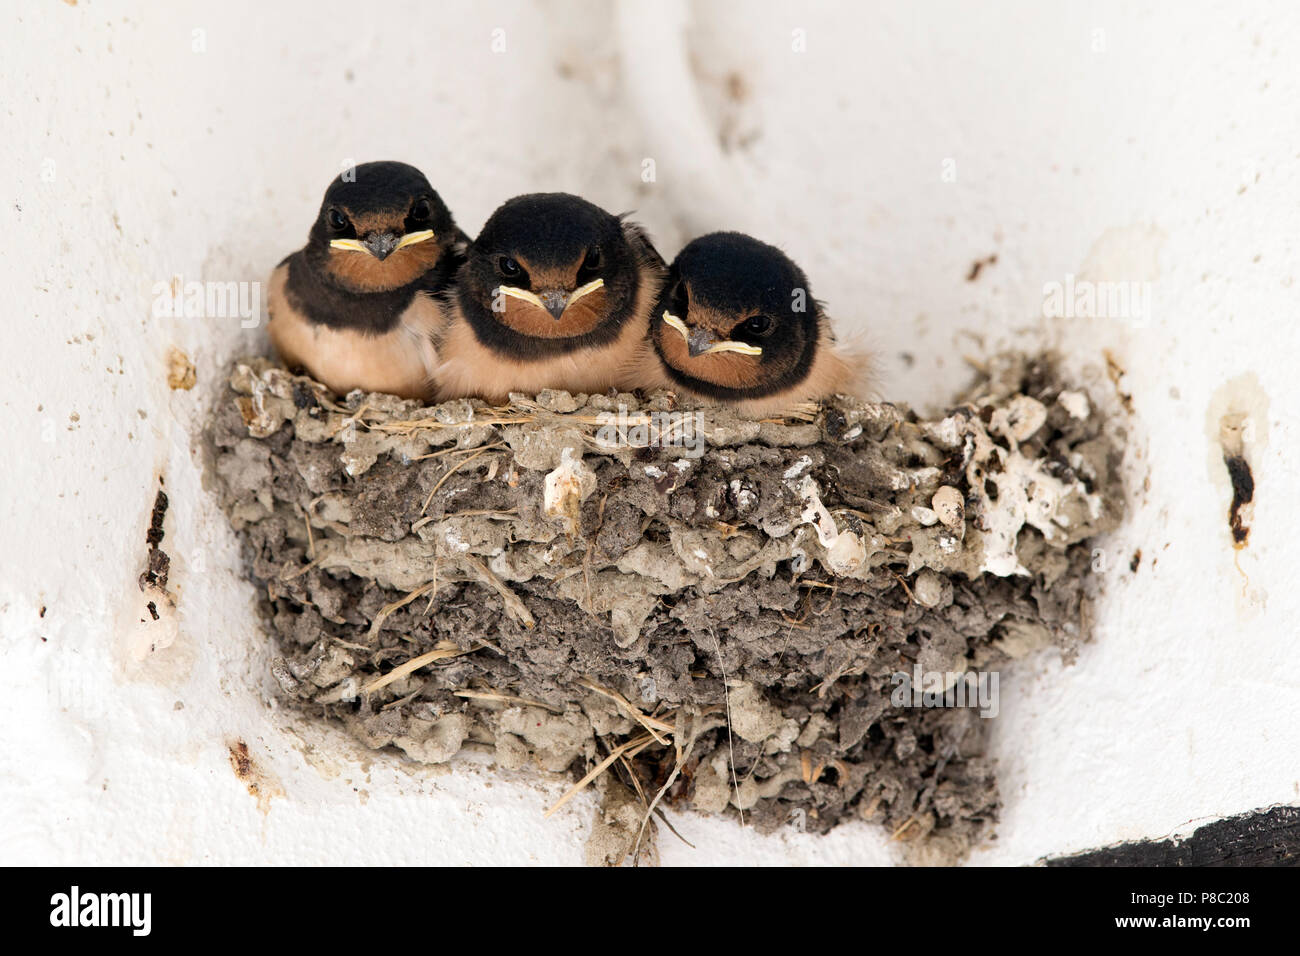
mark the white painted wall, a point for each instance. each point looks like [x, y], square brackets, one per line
[1162, 148]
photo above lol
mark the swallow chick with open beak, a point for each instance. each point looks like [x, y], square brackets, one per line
[360, 305]
[737, 325]
[555, 293]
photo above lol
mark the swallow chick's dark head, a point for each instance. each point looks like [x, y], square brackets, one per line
[737, 320]
[551, 273]
[381, 226]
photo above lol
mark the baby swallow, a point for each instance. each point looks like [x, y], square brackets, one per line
[737, 324]
[555, 293]
[358, 306]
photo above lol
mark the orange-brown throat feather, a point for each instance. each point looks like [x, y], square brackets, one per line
[728, 369]
[578, 319]
[362, 272]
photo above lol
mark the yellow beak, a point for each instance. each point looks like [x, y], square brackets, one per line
[692, 342]
[587, 289]
[524, 295]
[356, 245]
[411, 238]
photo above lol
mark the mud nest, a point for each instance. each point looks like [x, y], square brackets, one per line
[674, 605]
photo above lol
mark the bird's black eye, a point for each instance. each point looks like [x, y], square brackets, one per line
[422, 210]
[593, 259]
[508, 266]
[757, 324]
[336, 219]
